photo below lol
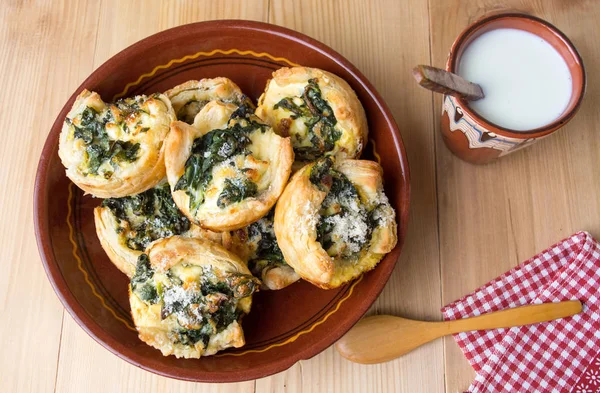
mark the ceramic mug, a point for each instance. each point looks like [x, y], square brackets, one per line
[479, 141]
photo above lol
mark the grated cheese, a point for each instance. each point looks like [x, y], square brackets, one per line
[225, 150]
[350, 228]
[386, 215]
[312, 218]
[176, 300]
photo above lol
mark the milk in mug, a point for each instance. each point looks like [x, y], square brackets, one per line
[526, 82]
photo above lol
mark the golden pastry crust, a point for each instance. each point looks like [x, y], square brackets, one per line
[124, 234]
[190, 97]
[114, 150]
[298, 90]
[257, 246]
[188, 296]
[341, 204]
[248, 167]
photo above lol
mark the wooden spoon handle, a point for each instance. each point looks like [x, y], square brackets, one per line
[518, 316]
[442, 81]
[384, 337]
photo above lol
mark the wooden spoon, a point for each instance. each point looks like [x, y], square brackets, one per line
[442, 81]
[384, 337]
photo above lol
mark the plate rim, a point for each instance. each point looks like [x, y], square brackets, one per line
[89, 325]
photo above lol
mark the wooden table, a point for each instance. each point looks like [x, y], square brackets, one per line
[468, 223]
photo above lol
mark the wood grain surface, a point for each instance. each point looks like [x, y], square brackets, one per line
[468, 223]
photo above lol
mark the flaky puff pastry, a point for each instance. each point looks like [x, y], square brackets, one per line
[228, 170]
[333, 221]
[190, 97]
[126, 226]
[188, 296]
[318, 109]
[257, 246]
[114, 150]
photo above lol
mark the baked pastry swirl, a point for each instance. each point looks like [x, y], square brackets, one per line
[318, 110]
[190, 97]
[229, 171]
[257, 246]
[188, 296]
[333, 221]
[126, 226]
[114, 150]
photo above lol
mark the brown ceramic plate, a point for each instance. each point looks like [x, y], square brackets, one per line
[284, 326]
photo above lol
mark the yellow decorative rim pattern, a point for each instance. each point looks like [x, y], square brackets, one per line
[195, 56]
[375, 154]
[70, 210]
[80, 263]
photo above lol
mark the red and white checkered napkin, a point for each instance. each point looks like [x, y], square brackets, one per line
[557, 356]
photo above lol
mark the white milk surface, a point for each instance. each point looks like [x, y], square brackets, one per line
[526, 82]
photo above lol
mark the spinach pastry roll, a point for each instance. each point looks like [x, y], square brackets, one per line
[189, 97]
[333, 221]
[229, 171]
[114, 150]
[318, 110]
[126, 226]
[256, 244]
[188, 297]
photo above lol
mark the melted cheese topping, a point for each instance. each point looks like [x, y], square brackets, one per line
[255, 167]
[228, 170]
[288, 107]
[114, 150]
[144, 126]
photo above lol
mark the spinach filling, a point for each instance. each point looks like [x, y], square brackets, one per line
[147, 216]
[214, 148]
[236, 190]
[189, 110]
[319, 120]
[267, 253]
[321, 174]
[141, 282]
[345, 225]
[192, 336]
[99, 147]
[207, 307]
